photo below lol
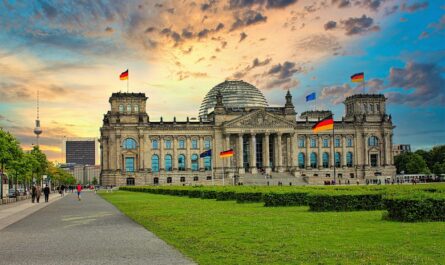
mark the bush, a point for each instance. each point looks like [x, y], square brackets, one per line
[243, 197]
[285, 199]
[415, 208]
[321, 202]
[225, 196]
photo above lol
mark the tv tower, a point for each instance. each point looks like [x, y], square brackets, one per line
[37, 129]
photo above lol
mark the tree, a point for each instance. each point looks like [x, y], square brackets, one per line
[42, 163]
[411, 163]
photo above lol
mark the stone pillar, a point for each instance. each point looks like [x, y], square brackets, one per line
[391, 156]
[280, 153]
[175, 154]
[240, 154]
[118, 152]
[266, 158]
[201, 149]
[188, 159]
[343, 151]
[252, 162]
[293, 150]
[365, 149]
[141, 151]
[161, 154]
[105, 161]
[308, 154]
[288, 156]
[320, 155]
[228, 161]
[332, 155]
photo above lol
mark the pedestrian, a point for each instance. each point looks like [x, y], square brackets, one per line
[33, 193]
[79, 190]
[46, 192]
[62, 190]
[38, 192]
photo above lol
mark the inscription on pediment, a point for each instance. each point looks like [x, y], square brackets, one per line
[260, 120]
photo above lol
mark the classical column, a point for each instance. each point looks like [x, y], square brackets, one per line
[308, 155]
[118, 152]
[141, 151]
[240, 154]
[365, 149]
[288, 156]
[343, 151]
[175, 153]
[188, 159]
[332, 155]
[105, 161]
[161, 153]
[280, 153]
[266, 159]
[253, 168]
[293, 150]
[201, 149]
[391, 156]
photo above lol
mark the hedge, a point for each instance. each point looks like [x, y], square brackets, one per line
[415, 208]
[243, 197]
[320, 202]
[285, 199]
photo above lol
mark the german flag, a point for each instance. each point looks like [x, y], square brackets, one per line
[124, 75]
[359, 77]
[323, 125]
[227, 153]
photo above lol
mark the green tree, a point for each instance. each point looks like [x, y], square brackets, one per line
[42, 163]
[411, 163]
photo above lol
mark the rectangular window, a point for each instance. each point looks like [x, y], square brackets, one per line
[154, 144]
[349, 142]
[337, 142]
[181, 144]
[194, 144]
[301, 142]
[168, 144]
[129, 164]
[207, 144]
[313, 142]
[325, 142]
[374, 159]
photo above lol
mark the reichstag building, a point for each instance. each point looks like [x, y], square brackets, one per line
[269, 143]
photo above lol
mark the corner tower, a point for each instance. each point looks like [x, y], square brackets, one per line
[365, 107]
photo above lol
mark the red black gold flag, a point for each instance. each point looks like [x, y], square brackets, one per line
[227, 153]
[323, 125]
[359, 77]
[124, 75]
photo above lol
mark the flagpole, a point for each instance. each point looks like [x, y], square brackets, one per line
[128, 81]
[333, 142]
[223, 171]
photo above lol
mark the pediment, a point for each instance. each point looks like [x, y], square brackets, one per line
[259, 119]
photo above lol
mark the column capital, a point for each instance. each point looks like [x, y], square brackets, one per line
[252, 134]
[267, 133]
[279, 134]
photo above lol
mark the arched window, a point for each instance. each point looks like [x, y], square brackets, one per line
[337, 159]
[325, 160]
[181, 163]
[154, 144]
[128, 108]
[182, 179]
[313, 160]
[349, 159]
[155, 163]
[301, 142]
[136, 108]
[301, 161]
[129, 143]
[373, 141]
[195, 162]
[195, 178]
[168, 163]
[208, 163]
[121, 108]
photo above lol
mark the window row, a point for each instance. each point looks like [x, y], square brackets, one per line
[130, 143]
[182, 165]
[325, 160]
[325, 142]
[129, 108]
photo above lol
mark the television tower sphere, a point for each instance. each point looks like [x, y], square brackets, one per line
[37, 129]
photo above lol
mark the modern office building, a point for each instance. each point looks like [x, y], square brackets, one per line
[398, 149]
[81, 151]
[136, 150]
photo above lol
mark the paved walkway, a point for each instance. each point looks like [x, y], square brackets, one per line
[90, 231]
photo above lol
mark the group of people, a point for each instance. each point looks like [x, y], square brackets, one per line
[62, 189]
[36, 191]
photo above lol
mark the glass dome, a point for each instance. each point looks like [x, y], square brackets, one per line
[236, 94]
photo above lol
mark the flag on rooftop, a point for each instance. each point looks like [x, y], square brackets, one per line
[206, 153]
[227, 153]
[323, 125]
[310, 97]
[358, 77]
[124, 75]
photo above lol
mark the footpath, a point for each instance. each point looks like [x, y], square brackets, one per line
[90, 231]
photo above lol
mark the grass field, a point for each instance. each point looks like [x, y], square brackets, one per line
[224, 232]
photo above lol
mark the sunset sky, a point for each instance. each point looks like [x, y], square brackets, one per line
[176, 51]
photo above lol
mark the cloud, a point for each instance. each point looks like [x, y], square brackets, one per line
[341, 3]
[270, 4]
[181, 75]
[243, 35]
[330, 25]
[337, 93]
[360, 25]
[281, 76]
[256, 63]
[372, 4]
[49, 10]
[319, 43]
[247, 18]
[423, 35]
[414, 7]
[440, 25]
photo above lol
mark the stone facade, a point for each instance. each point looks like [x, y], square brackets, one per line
[265, 140]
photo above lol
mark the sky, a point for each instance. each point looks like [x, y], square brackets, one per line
[176, 51]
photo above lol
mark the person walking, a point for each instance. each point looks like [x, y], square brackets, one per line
[38, 192]
[33, 193]
[79, 190]
[46, 192]
[62, 190]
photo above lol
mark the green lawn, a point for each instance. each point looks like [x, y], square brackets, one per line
[224, 232]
